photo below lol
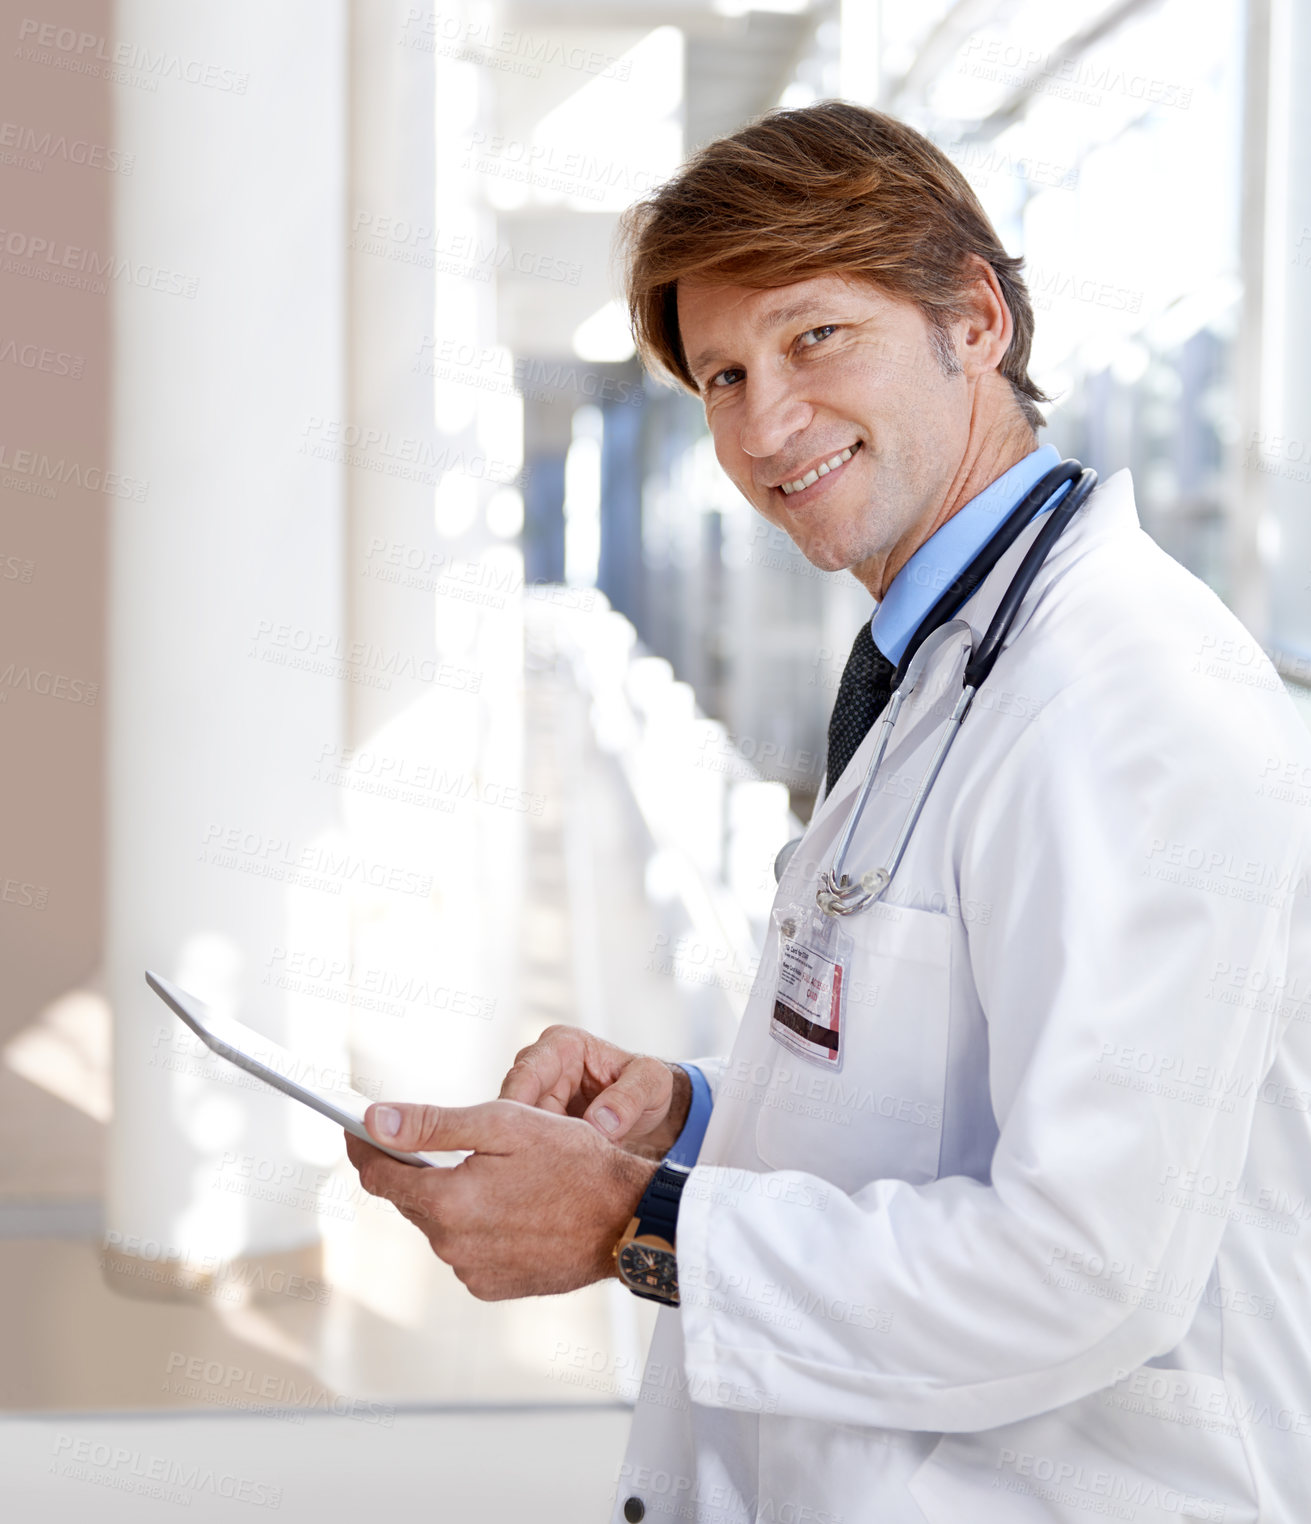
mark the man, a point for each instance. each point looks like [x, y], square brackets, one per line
[1013, 1230]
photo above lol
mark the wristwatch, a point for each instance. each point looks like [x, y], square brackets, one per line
[644, 1257]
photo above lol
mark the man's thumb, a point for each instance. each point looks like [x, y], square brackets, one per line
[423, 1128]
[639, 1098]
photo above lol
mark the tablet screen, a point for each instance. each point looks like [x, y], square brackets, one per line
[279, 1067]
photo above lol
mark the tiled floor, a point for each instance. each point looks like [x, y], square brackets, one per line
[550, 1467]
[316, 1389]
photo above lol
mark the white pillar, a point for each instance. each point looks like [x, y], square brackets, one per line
[1247, 591]
[860, 61]
[225, 590]
[1284, 439]
[427, 757]
[393, 466]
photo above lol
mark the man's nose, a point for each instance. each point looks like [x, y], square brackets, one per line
[773, 414]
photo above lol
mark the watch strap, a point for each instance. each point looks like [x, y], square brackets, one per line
[657, 1211]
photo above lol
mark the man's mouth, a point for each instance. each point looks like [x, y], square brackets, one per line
[824, 468]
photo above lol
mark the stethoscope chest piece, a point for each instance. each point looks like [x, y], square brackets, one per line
[784, 857]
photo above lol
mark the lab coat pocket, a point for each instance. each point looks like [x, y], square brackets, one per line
[880, 1117]
[814, 1472]
[1159, 1446]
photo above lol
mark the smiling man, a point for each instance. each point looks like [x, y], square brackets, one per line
[853, 435]
[996, 1211]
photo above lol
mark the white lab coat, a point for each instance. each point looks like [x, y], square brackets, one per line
[1041, 1250]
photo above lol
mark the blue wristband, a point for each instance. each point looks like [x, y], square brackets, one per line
[688, 1145]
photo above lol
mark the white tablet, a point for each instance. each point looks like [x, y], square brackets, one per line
[279, 1067]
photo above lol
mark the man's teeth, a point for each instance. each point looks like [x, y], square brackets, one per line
[823, 469]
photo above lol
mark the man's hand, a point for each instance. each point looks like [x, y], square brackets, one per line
[638, 1102]
[536, 1208]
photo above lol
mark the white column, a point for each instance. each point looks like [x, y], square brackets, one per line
[394, 461]
[860, 60]
[225, 629]
[1247, 590]
[431, 758]
[1284, 439]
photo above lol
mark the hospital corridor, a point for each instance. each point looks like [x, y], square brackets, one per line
[388, 660]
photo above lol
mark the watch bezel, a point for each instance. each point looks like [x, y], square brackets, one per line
[666, 1290]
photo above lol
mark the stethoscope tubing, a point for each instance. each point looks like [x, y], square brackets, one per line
[962, 588]
[983, 660]
[837, 895]
[922, 657]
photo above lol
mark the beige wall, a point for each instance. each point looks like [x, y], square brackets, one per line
[56, 408]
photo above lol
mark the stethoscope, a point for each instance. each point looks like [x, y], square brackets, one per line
[838, 893]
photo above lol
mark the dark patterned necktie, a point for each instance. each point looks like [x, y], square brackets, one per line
[865, 688]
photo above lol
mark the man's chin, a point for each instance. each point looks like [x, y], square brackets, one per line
[827, 553]
[827, 558]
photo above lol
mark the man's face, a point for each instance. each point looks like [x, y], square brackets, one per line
[831, 413]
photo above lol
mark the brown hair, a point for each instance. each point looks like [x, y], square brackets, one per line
[829, 189]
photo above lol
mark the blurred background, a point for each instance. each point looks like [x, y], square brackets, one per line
[385, 660]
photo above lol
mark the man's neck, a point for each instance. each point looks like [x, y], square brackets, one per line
[997, 453]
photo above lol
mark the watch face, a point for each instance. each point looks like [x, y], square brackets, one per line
[649, 1271]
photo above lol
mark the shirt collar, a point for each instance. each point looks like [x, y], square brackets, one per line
[950, 549]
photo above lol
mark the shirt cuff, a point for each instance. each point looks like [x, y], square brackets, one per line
[687, 1147]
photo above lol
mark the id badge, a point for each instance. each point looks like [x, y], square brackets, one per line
[814, 953]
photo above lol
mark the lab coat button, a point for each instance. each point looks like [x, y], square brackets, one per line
[634, 1510]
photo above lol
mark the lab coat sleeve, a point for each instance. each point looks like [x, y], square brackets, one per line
[1121, 869]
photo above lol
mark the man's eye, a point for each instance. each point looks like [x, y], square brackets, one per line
[725, 377]
[814, 336]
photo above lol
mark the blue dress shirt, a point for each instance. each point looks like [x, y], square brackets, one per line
[950, 549]
[688, 1146]
[915, 589]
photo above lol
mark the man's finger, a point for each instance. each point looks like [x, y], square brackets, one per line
[495, 1127]
[523, 1083]
[539, 1071]
[407, 1187]
[357, 1150]
[638, 1099]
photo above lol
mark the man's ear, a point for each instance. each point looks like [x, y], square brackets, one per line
[983, 331]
